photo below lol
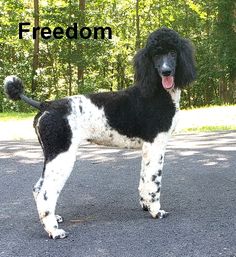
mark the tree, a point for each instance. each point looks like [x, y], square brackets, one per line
[225, 36]
[80, 70]
[35, 64]
[61, 67]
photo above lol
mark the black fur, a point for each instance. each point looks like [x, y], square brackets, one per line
[134, 115]
[185, 69]
[54, 129]
[14, 88]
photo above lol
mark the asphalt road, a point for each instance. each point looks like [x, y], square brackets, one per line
[100, 202]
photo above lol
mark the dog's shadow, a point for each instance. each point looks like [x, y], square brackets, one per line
[102, 214]
[107, 207]
[105, 192]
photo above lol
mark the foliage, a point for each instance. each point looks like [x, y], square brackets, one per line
[107, 64]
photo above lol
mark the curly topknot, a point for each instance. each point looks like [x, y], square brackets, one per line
[13, 87]
[163, 39]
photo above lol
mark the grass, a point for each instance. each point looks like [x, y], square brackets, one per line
[208, 107]
[16, 116]
[210, 128]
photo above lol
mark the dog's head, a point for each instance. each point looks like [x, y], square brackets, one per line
[166, 60]
[162, 48]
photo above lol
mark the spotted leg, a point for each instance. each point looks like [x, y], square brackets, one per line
[48, 188]
[151, 174]
[36, 190]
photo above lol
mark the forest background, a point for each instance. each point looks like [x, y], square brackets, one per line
[54, 68]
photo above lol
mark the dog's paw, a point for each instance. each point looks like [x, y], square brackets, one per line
[59, 218]
[144, 206]
[160, 214]
[58, 234]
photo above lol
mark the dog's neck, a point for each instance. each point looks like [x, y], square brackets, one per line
[175, 95]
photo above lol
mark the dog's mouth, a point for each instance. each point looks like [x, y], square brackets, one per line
[167, 82]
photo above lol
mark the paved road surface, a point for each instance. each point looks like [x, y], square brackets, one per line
[100, 202]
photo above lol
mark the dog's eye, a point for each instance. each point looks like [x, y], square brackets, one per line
[173, 53]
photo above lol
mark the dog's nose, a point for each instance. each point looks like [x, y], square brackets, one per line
[166, 72]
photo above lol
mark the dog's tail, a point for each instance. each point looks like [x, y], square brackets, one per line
[15, 91]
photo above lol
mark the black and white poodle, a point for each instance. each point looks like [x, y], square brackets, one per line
[143, 115]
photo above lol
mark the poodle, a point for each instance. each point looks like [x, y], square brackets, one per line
[143, 115]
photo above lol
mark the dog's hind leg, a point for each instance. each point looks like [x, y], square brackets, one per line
[55, 176]
[151, 174]
[37, 189]
[56, 130]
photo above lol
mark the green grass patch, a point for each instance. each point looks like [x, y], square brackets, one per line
[210, 128]
[208, 107]
[16, 116]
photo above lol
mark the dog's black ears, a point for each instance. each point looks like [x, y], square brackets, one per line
[145, 75]
[141, 62]
[185, 69]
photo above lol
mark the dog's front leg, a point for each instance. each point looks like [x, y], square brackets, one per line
[151, 173]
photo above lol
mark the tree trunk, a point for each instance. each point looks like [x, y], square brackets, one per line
[137, 44]
[36, 47]
[80, 70]
[70, 69]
